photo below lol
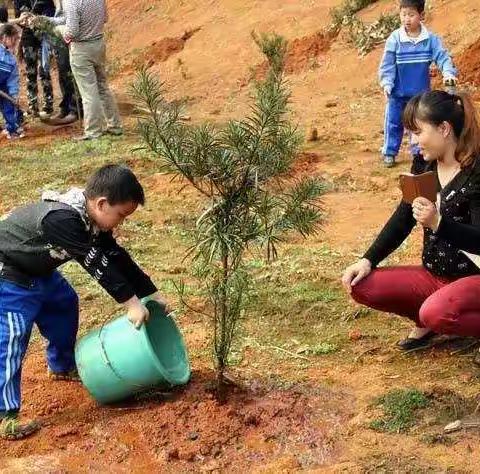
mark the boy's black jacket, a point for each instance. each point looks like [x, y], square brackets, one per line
[38, 238]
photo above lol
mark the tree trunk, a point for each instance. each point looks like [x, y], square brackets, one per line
[221, 362]
[221, 385]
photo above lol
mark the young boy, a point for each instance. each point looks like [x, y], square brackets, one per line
[9, 80]
[34, 241]
[405, 71]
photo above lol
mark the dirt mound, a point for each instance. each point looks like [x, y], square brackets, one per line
[306, 163]
[468, 63]
[173, 431]
[161, 50]
[302, 54]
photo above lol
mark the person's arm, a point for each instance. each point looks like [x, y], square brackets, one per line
[65, 229]
[13, 83]
[57, 20]
[442, 59]
[141, 282]
[395, 231]
[388, 67]
[72, 20]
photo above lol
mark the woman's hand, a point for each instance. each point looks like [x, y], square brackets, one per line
[426, 213]
[356, 272]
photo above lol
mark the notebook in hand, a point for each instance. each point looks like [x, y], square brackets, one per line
[418, 185]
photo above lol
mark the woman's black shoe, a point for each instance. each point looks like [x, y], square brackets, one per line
[410, 343]
[476, 359]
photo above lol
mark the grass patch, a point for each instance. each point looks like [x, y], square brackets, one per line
[399, 408]
[322, 348]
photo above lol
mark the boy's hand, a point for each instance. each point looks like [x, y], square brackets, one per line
[386, 92]
[137, 314]
[156, 297]
[450, 85]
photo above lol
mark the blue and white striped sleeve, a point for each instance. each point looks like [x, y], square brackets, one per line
[442, 59]
[388, 66]
[13, 82]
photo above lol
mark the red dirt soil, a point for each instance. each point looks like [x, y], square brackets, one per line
[302, 53]
[468, 63]
[175, 432]
[160, 51]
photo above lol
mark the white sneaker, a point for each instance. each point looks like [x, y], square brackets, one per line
[15, 135]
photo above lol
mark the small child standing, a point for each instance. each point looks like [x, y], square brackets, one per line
[34, 241]
[9, 80]
[405, 72]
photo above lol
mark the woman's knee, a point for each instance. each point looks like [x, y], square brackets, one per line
[361, 292]
[438, 314]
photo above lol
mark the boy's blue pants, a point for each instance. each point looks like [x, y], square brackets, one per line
[393, 127]
[52, 304]
[10, 114]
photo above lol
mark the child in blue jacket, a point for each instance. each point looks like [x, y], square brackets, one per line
[9, 80]
[405, 71]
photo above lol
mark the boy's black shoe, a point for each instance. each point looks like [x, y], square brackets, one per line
[48, 110]
[476, 358]
[11, 429]
[70, 376]
[410, 343]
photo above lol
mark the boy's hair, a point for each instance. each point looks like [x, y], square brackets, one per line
[3, 14]
[117, 183]
[419, 5]
[8, 30]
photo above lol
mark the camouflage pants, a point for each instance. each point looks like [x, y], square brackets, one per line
[32, 54]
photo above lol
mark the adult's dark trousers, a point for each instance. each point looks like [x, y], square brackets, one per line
[71, 101]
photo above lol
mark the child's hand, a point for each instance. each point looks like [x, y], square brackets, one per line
[137, 314]
[450, 85]
[156, 297]
[386, 92]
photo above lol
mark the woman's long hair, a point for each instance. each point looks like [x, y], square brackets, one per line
[436, 107]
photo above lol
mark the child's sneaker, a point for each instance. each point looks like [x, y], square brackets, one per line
[16, 135]
[70, 376]
[389, 161]
[11, 429]
[33, 112]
